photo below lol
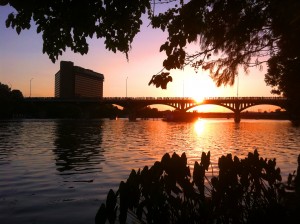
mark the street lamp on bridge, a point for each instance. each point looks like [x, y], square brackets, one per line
[126, 85]
[30, 87]
[237, 87]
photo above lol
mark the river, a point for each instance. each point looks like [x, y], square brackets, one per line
[59, 171]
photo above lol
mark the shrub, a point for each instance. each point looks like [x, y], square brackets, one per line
[245, 191]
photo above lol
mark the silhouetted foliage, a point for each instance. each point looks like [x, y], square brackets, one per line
[161, 80]
[245, 191]
[16, 94]
[68, 24]
[7, 94]
[4, 92]
[10, 101]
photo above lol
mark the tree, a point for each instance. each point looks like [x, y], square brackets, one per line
[4, 92]
[9, 100]
[231, 34]
[16, 95]
[68, 24]
[7, 94]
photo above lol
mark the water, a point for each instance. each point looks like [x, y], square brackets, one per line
[59, 171]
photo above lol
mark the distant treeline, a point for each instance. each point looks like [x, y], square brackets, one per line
[20, 109]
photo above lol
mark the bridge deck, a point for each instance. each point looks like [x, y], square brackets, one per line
[133, 104]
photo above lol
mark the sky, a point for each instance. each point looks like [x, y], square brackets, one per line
[22, 64]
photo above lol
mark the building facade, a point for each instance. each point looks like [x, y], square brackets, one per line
[75, 82]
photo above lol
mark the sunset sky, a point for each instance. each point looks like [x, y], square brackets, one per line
[22, 60]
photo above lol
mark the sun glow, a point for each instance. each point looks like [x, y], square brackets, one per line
[199, 127]
[199, 87]
[199, 99]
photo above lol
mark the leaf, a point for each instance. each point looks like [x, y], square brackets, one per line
[165, 160]
[123, 202]
[7, 23]
[161, 80]
[205, 160]
[101, 217]
[111, 202]
[38, 29]
[163, 47]
[18, 29]
[9, 20]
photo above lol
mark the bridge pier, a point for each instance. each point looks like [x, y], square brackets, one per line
[132, 117]
[237, 117]
[131, 114]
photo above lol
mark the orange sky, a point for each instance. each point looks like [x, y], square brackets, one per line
[21, 59]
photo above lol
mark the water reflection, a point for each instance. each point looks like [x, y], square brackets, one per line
[10, 133]
[78, 146]
[65, 167]
[199, 127]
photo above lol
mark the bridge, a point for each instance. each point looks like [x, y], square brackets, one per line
[183, 104]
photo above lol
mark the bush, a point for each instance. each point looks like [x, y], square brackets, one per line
[246, 191]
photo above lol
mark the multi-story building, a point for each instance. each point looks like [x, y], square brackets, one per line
[73, 81]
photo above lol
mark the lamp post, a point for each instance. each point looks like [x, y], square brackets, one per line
[183, 88]
[30, 88]
[126, 86]
[237, 87]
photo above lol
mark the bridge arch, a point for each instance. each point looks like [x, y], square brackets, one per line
[216, 104]
[258, 104]
[162, 104]
[237, 106]
[141, 105]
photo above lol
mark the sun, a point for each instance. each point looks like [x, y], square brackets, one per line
[198, 98]
[201, 90]
[199, 87]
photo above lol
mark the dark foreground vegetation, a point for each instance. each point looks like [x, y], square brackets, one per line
[248, 190]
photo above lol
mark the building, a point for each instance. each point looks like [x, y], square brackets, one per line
[73, 81]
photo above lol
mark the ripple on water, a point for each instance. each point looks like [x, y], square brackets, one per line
[59, 171]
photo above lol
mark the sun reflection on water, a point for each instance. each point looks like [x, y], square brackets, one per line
[199, 126]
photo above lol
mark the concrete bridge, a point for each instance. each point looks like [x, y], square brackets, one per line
[183, 104]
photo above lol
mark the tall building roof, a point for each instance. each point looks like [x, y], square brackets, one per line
[88, 72]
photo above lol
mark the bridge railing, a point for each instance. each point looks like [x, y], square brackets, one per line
[150, 98]
[191, 98]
